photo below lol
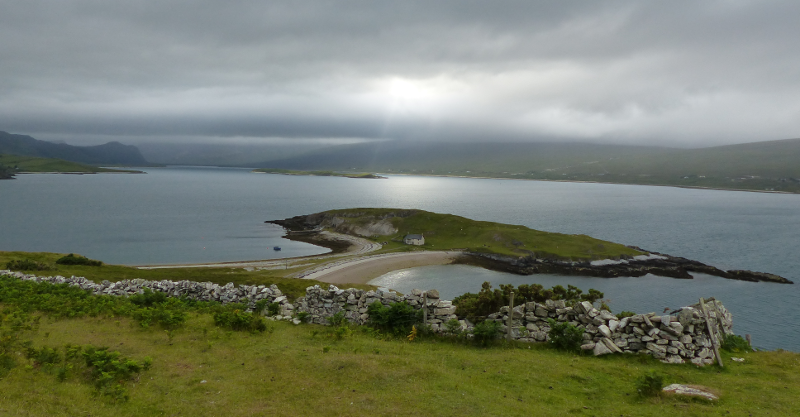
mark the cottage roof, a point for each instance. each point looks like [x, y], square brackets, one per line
[414, 236]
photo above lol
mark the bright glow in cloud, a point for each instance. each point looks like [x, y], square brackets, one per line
[682, 73]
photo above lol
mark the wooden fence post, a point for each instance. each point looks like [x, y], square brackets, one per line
[510, 317]
[711, 332]
[425, 308]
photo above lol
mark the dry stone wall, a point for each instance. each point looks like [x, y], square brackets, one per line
[679, 337]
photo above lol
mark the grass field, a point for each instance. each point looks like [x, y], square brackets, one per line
[202, 370]
[34, 164]
[447, 231]
[289, 286]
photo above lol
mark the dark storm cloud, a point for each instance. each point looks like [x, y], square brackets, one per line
[689, 73]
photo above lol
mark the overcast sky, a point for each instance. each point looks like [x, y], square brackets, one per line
[673, 73]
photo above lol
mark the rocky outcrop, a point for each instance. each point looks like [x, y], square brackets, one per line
[365, 226]
[654, 263]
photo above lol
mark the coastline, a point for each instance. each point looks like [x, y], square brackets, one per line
[365, 269]
[696, 187]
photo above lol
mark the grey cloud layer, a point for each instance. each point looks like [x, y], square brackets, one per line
[688, 73]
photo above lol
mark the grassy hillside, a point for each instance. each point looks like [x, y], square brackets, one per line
[753, 166]
[114, 273]
[199, 368]
[112, 153]
[34, 164]
[447, 231]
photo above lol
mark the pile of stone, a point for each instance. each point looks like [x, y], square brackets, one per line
[321, 304]
[681, 336]
[673, 338]
[201, 291]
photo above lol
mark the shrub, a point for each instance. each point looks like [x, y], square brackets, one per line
[27, 265]
[273, 309]
[304, 316]
[565, 336]
[625, 313]
[340, 328]
[169, 314]
[45, 356]
[735, 343]
[486, 332]
[453, 327]
[260, 306]
[396, 318]
[148, 298]
[110, 370]
[337, 319]
[240, 321]
[650, 384]
[73, 259]
[487, 301]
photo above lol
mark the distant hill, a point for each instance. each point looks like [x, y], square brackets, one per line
[112, 153]
[762, 166]
[221, 154]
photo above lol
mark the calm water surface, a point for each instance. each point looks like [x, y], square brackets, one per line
[189, 215]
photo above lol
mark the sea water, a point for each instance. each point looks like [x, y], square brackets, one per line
[199, 214]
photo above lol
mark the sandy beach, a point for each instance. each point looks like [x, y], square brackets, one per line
[357, 246]
[364, 269]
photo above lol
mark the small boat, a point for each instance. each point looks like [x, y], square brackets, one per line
[276, 248]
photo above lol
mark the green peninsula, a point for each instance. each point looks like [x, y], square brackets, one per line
[11, 165]
[451, 232]
[318, 173]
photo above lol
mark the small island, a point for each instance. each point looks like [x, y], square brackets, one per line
[317, 173]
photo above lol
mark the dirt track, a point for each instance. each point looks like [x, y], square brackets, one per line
[362, 270]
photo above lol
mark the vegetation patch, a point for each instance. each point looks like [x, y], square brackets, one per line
[476, 306]
[203, 369]
[318, 173]
[20, 164]
[73, 259]
[27, 265]
[396, 318]
[449, 232]
[565, 336]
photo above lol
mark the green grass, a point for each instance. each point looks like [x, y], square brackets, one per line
[447, 231]
[290, 286]
[317, 173]
[34, 164]
[300, 370]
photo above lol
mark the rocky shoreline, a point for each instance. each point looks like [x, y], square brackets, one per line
[306, 227]
[656, 264]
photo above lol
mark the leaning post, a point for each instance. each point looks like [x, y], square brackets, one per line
[510, 316]
[711, 332]
[425, 308]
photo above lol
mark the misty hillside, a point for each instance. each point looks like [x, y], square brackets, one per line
[458, 157]
[755, 166]
[112, 153]
[221, 154]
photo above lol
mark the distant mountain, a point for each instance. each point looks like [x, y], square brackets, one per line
[112, 153]
[762, 166]
[221, 154]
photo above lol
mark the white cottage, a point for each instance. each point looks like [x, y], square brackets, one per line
[417, 240]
